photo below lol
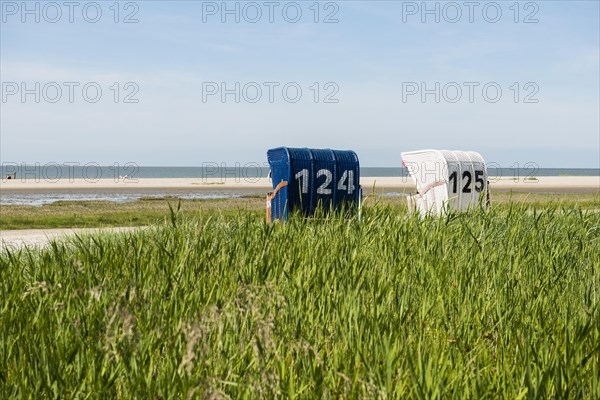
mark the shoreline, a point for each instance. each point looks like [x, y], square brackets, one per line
[549, 184]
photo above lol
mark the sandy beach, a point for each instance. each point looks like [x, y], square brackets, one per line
[182, 187]
[552, 184]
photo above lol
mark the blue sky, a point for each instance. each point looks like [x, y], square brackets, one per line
[370, 57]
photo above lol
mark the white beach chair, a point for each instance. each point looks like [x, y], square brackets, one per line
[446, 180]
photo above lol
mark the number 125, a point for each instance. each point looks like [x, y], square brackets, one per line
[466, 176]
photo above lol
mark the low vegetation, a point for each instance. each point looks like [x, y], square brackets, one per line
[96, 214]
[148, 211]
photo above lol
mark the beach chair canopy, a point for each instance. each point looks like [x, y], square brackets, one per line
[446, 180]
[304, 179]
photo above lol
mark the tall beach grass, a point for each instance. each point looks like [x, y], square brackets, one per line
[497, 304]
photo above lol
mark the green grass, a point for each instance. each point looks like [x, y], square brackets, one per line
[148, 211]
[502, 304]
[95, 214]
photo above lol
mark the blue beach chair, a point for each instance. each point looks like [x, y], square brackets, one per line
[306, 179]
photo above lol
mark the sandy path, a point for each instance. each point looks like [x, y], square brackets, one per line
[15, 239]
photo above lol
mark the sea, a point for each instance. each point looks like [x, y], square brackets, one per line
[93, 172]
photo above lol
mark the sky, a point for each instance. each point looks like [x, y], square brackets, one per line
[182, 83]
